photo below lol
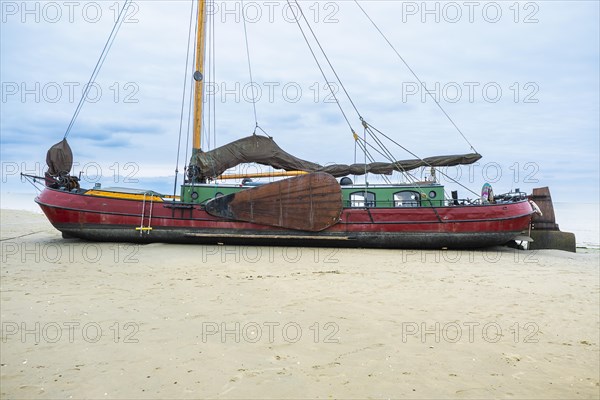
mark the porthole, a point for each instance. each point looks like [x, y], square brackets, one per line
[432, 194]
[194, 195]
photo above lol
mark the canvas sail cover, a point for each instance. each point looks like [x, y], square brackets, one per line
[251, 149]
[263, 150]
[59, 158]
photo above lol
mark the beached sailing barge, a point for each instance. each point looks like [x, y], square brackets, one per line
[312, 208]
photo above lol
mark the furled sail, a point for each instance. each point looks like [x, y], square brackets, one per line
[59, 159]
[263, 150]
[381, 168]
[251, 149]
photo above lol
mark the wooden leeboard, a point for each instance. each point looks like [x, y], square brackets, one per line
[310, 202]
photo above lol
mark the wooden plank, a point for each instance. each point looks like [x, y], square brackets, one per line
[310, 202]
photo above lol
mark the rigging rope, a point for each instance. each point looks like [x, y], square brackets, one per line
[185, 79]
[386, 153]
[327, 58]
[369, 157]
[99, 63]
[390, 156]
[191, 101]
[416, 156]
[319, 65]
[249, 68]
[416, 77]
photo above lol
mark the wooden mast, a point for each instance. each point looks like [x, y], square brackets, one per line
[199, 74]
[199, 96]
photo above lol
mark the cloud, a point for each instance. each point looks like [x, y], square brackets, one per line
[543, 59]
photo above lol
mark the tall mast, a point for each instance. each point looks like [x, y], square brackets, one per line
[199, 75]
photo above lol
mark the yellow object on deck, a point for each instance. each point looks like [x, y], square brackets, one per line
[124, 196]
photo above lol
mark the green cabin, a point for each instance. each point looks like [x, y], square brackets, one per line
[424, 194]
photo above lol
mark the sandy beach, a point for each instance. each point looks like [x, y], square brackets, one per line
[103, 321]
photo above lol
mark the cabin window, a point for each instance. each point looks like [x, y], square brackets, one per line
[362, 199]
[407, 198]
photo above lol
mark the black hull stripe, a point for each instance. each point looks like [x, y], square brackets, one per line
[399, 240]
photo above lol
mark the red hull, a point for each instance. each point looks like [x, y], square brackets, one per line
[110, 219]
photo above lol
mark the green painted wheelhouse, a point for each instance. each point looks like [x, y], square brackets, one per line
[425, 194]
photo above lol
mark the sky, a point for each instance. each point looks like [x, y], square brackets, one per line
[519, 79]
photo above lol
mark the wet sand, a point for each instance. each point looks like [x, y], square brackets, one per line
[90, 320]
